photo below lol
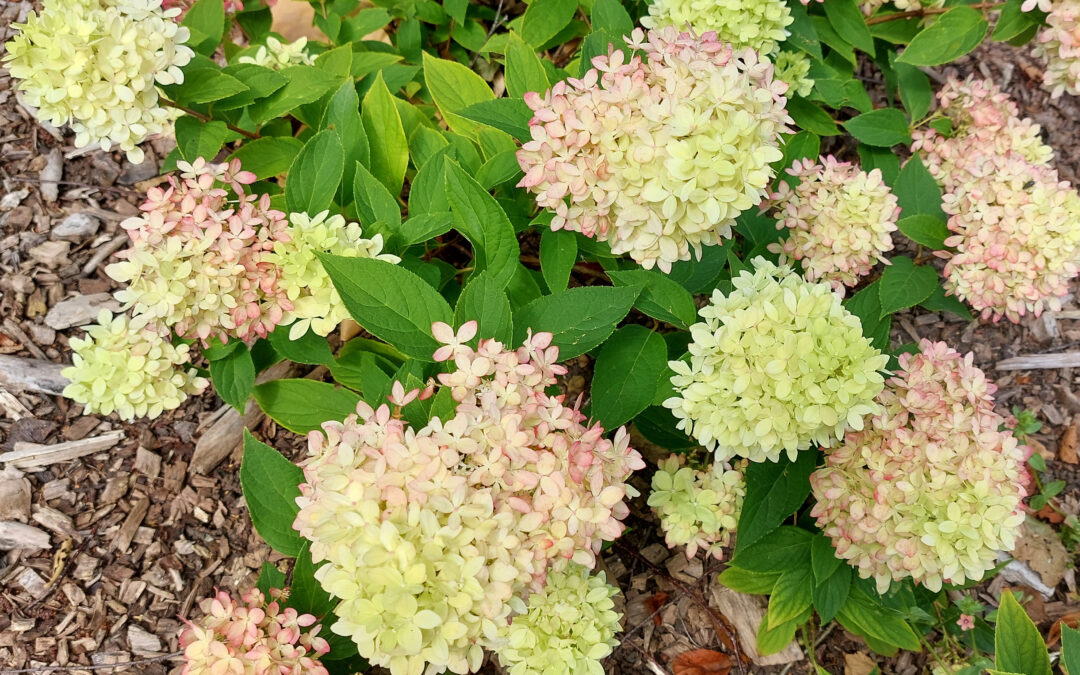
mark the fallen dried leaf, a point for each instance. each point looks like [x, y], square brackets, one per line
[1049, 514]
[858, 664]
[1070, 441]
[701, 662]
[1040, 547]
[1071, 620]
[658, 600]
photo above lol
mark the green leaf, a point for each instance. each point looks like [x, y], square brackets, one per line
[925, 229]
[511, 115]
[626, 374]
[389, 147]
[306, 596]
[483, 222]
[271, 485]
[803, 145]
[374, 203]
[866, 304]
[1018, 646]
[484, 301]
[790, 597]
[310, 348]
[315, 174]
[580, 318]
[558, 253]
[850, 23]
[234, 376]
[823, 558]
[267, 157]
[499, 169]
[612, 17]
[657, 425]
[917, 192]
[885, 127]
[915, 89]
[773, 640]
[195, 138]
[455, 87]
[390, 302]
[422, 227]
[1014, 21]
[953, 34]
[803, 34]
[343, 116]
[661, 297]
[865, 616]
[782, 549]
[905, 284]
[1070, 650]
[258, 82]
[811, 118]
[871, 157]
[544, 19]
[745, 581]
[364, 371]
[270, 577]
[206, 85]
[303, 405]
[524, 70]
[206, 21]
[304, 84]
[774, 490]
[831, 594]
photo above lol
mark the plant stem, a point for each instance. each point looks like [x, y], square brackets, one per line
[206, 118]
[928, 12]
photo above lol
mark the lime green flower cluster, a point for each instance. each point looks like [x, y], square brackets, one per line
[776, 365]
[315, 302]
[276, 54]
[568, 627]
[122, 366]
[794, 68]
[760, 25]
[698, 509]
[95, 65]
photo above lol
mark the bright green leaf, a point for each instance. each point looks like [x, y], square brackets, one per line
[271, 485]
[302, 405]
[905, 284]
[627, 371]
[579, 318]
[953, 34]
[1018, 646]
[315, 174]
[484, 301]
[389, 147]
[484, 223]
[885, 127]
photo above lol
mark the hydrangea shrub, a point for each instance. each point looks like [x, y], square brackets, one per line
[462, 215]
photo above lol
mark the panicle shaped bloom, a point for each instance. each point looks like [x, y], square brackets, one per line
[794, 69]
[121, 366]
[931, 489]
[698, 509]
[95, 65]
[195, 264]
[252, 637]
[567, 629]
[1058, 44]
[658, 153]
[776, 365]
[840, 220]
[433, 536]
[759, 25]
[276, 54]
[315, 301]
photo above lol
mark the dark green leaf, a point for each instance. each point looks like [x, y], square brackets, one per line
[483, 222]
[579, 318]
[304, 84]
[865, 616]
[661, 298]
[1070, 650]
[774, 490]
[953, 34]
[206, 85]
[195, 138]
[309, 348]
[850, 23]
[374, 203]
[657, 425]
[885, 127]
[422, 227]
[830, 595]
[390, 302]
[270, 577]
[511, 115]
[206, 21]
[627, 371]
[271, 486]
[306, 596]
[343, 116]
[823, 557]
[234, 376]
[1014, 21]
[544, 19]
[484, 301]
[303, 405]
[811, 118]
[803, 34]
[267, 157]
[558, 253]
[925, 229]
[612, 17]
[905, 284]
[917, 191]
[866, 304]
[315, 174]
[915, 89]
[259, 82]
[782, 549]
[389, 148]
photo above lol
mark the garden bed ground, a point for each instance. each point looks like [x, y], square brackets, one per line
[133, 536]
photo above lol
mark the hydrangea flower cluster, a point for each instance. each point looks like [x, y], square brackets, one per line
[840, 220]
[698, 509]
[276, 54]
[568, 627]
[313, 300]
[1010, 215]
[794, 69]
[121, 366]
[761, 25]
[657, 154]
[931, 489]
[252, 637]
[95, 65]
[1059, 46]
[433, 536]
[776, 365]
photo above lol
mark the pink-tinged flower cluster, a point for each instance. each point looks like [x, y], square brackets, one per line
[194, 264]
[931, 489]
[658, 153]
[251, 637]
[434, 536]
[1058, 44]
[840, 220]
[1012, 218]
